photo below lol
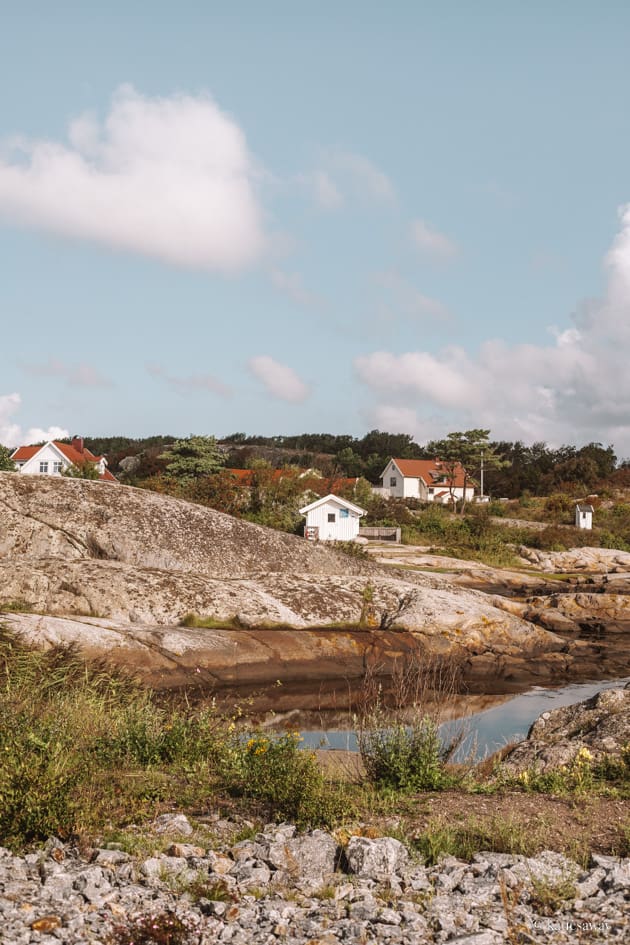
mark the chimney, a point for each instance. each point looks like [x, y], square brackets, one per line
[77, 443]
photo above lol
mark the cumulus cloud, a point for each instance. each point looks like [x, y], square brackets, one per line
[280, 380]
[191, 383]
[170, 178]
[431, 242]
[574, 389]
[12, 434]
[75, 375]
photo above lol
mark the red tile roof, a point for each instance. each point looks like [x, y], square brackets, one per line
[431, 471]
[23, 453]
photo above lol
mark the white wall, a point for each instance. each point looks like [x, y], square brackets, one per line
[342, 529]
[47, 454]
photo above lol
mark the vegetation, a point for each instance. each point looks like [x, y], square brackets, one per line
[82, 470]
[6, 463]
[193, 457]
[154, 928]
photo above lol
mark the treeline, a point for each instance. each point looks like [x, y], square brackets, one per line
[537, 469]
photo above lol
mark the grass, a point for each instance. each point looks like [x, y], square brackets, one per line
[463, 840]
[15, 607]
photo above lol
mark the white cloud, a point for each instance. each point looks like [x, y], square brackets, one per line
[290, 283]
[408, 300]
[280, 380]
[326, 193]
[170, 178]
[75, 375]
[12, 434]
[345, 175]
[574, 389]
[366, 178]
[194, 382]
[430, 241]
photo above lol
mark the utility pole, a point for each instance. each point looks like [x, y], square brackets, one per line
[481, 477]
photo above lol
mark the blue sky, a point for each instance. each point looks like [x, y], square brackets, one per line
[282, 217]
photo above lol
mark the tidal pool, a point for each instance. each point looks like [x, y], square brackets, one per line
[485, 731]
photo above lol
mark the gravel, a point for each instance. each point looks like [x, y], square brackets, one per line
[307, 889]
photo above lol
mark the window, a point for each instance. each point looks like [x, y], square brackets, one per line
[331, 516]
[344, 513]
[431, 490]
[57, 467]
[392, 480]
[43, 467]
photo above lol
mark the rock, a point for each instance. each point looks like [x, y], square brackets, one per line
[596, 727]
[138, 562]
[309, 860]
[172, 824]
[377, 859]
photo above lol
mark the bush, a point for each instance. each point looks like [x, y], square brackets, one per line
[287, 779]
[402, 757]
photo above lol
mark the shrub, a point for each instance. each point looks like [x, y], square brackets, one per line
[286, 778]
[402, 757]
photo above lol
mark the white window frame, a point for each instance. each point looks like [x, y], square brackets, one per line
[43, 467]
[57, 467]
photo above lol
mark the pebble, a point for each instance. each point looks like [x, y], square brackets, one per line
[298, 889]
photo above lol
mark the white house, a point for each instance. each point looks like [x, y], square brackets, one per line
[332, 519]
[53, 458]
[425, 479]
[583, 516]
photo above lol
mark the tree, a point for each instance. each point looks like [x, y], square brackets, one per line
[6, 463]
[195, 456]
[468, 450]
[83, 470]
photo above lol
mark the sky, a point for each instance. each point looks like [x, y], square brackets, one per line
[288, 217]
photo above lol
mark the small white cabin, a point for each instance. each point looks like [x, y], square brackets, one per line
[583, 516]
[332, 519]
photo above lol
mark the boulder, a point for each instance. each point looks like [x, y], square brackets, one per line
[597, 727]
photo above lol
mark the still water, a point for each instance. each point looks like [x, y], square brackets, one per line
[491, 729]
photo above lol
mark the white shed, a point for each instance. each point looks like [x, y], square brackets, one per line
[583, 516]
[332, 519]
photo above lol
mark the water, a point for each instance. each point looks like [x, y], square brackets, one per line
[491, 729]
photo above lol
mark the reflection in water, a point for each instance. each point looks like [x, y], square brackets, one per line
[487, 730]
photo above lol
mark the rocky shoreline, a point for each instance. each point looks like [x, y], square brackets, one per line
[305, 889]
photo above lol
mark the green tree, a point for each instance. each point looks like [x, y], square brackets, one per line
[195, 456]
[468, 450]
[82, 470]
[6, 463]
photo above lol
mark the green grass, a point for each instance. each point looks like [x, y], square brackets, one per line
[15, 607]
[464, 839]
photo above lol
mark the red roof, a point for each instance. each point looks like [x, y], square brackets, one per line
[320, 485]
[23, 453]
[431, 471]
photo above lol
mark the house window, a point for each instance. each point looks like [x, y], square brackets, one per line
[392, 480]
[344, 513]
[431, 490]
[57, 467]
[43, 467]
[331, 516]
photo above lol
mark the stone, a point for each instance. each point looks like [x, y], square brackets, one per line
[378, 859]
[47, 923]
[172, 825]
[309, 859]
